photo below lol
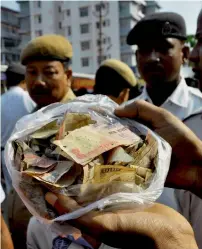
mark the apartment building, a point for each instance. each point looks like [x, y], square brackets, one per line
[10, 38]
[96, 29]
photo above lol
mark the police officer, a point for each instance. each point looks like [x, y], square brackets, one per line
[114, 79]
[48, 79]
[196, 54]
[48, 75]
[160, 38]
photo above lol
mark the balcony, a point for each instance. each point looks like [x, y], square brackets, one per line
[10, 35]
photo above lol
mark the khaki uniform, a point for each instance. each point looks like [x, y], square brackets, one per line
[49, 47]
[18, 214]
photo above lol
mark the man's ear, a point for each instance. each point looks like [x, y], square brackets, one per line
[186, 52]
[123, 96]
[69, 74]
[69, 77]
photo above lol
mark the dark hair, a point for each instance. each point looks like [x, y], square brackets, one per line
[13, 79]
[109, 82]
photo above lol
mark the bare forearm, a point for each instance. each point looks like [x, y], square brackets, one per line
[6, 241]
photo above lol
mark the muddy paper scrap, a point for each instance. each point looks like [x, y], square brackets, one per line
[60, 169]
[33, 160]
[88, 142]
[37, 170]
[118, 154]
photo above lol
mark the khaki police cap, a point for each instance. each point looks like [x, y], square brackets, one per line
[122, 69]
[49, 47]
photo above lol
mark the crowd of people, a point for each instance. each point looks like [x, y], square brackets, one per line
[167, 105]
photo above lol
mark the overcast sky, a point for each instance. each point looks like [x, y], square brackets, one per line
[188, 9]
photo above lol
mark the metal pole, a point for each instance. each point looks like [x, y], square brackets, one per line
[100, 33]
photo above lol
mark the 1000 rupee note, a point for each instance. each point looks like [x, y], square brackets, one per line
[73, 121]
[145, 155]
[86, 143]
[110, 173]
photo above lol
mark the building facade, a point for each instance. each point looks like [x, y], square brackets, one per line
[10, 37]
[25, 23]
[96, 29]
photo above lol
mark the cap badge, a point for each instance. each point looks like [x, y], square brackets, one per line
[166, 30]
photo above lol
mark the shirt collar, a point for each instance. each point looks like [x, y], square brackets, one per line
[68, 96]
[178, 97]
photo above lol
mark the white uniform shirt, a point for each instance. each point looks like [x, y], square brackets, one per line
[184, 103]
[39, 236]
[2, 194]
[15, 103]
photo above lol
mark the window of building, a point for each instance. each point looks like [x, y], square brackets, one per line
[38, 33]
[85, 45]
[59, 9]
[100, 59]
[109, 39]
[69, 30]
[84, 28]
[38, 19]
[123, 40]
[97, 25]
[83, 11]
[106, 23]
[37, 4]
[60, 25]
[100, 6]
[85, 62]
[98, 42]
[109, 56]
[68, 12]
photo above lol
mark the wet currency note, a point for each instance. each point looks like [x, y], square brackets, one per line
[32, 159]
[59, 170]
[73, 121]
[86, 143]
[145, 155]
[110, 173]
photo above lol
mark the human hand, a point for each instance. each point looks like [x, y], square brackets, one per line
[186, 165]
[155, 227]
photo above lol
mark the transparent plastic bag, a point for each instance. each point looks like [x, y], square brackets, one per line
[101, 109]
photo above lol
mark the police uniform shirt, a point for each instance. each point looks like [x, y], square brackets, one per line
[185, 103]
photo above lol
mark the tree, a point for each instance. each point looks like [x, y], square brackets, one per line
[191, 40]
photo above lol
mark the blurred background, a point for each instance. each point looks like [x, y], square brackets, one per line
[96, 29]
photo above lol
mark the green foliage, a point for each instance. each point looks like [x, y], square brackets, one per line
[191, 40]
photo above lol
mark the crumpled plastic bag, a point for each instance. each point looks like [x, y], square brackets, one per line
[101, 109]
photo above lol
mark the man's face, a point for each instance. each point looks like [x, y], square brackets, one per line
[159, 60]
[196, 54]
[47, 81]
